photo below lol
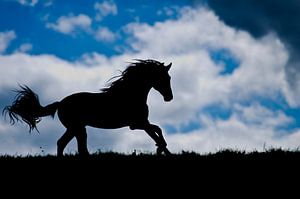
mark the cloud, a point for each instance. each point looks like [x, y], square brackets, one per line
[53, 79]
[70, 24]
[262, 17]
[234, 133]
[198, 82]
[104, 34]
[168, 11]
[31, 3]
[26, 47]
[54, 72]
[188, 42]
[5, 39]
[105, 8]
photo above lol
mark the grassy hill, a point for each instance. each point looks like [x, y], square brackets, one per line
[223, 155]
[136, 170]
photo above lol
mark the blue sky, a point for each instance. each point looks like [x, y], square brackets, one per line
[233, 86]
[29, 24]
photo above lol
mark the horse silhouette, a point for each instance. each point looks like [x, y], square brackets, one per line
[123, 103]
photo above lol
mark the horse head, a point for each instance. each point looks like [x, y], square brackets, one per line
[162, 82]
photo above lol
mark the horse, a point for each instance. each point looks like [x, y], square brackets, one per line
[123, 103]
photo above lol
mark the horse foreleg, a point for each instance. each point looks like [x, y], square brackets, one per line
[163, 144]
[155, 133]
[158, 131]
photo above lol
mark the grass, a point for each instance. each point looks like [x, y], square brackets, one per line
[117, 168]
[223, 155]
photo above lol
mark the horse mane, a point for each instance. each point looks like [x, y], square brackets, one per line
[134, 69]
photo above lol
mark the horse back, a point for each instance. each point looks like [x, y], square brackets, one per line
[101, 110]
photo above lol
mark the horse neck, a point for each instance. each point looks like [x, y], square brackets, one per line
[136, 91]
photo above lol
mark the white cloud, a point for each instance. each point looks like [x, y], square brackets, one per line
[26, 47]
[232, 133]
[53, 79]
[196, 80]
[59, 76]
[105, 8]
[104, 34]
[261, 116]
[70, 24]
[168, 11]
[5, 39]
[28, 2]
[187, 42]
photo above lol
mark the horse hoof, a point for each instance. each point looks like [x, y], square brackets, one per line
[161, 150]
[167, 152]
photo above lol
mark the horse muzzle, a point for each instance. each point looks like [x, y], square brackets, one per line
[168, 98]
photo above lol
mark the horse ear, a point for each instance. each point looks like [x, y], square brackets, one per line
[169, 66]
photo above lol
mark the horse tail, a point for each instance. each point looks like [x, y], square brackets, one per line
[27, 108]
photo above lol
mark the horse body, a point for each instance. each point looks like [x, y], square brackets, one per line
[102, 111]
[122, 104]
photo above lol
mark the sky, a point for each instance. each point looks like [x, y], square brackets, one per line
[235, 72]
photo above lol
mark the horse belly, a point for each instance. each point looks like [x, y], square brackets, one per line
[99, 111]
[107, 125]
[118, 117]
[103, 118]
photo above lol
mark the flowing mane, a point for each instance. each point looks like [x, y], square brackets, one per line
[134, 69]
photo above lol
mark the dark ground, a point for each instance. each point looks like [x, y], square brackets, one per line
[222, 155]
[226, 173]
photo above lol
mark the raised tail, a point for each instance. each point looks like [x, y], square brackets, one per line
[26, 107]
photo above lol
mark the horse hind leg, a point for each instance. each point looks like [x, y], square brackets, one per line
[63, 141]
[81, 137]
